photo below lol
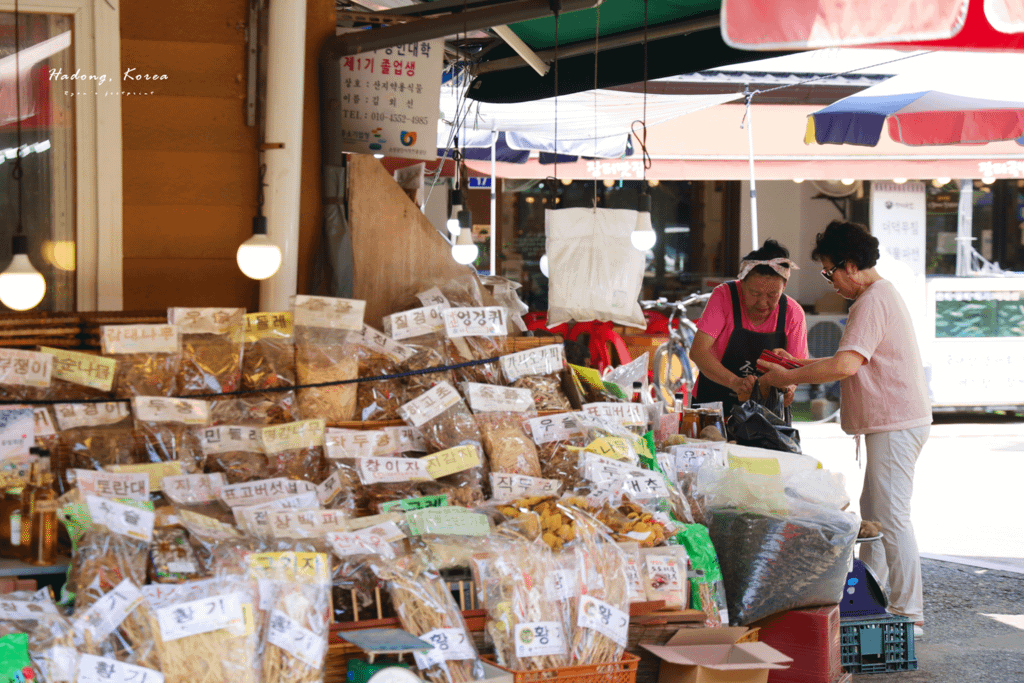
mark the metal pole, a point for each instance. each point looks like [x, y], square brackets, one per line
[964, 229]
[749, 122]
[494, 200]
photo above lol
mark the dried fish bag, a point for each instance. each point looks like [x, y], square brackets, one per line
[539, 370]
[476, 333]
[168, 428]
[268, 362]
[78, 376]
[236, 451]
[422, 330]
[148, 357]
[24, 375]
[296, 450]
[324, 352]
[500, 413]
[211, 349]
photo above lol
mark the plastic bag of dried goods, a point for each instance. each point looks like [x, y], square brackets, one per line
[148, 357]
[324, 352]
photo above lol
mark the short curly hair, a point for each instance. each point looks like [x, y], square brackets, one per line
[771, 249]
[849, 242]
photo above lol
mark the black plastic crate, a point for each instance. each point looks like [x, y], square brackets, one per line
[874, 646]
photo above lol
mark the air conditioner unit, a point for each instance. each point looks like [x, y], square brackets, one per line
[824, 333]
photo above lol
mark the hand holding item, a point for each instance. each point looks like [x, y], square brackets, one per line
[787, 400]
[774, 375]
[743, 386]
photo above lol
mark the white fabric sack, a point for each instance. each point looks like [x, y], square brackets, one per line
[596, 272]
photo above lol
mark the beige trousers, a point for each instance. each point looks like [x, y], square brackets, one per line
[888, 488]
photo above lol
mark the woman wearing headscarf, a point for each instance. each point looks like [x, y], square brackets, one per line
[743, 318]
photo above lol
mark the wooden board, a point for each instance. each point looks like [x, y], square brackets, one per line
[188, 21]
[218, 229]
[394, 246]
[193, 69]
[680, 616]
[187, 124]
[187, 282]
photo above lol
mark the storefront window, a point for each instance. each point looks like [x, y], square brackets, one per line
[997, 224]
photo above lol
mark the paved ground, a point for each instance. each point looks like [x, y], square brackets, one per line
[966, 512]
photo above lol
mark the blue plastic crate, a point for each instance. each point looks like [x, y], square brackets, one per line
[874, 646]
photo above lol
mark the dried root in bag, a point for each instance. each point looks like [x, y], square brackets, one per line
[117, 625]
[325, 352]
[539, 370]
[203, 630]
[500, 412]
[80, 376]
[422, 330]
[547, 391]
[296, 450]
[268, 362]
[168, 429]
[236, 451]
[211, 349]
[296, 642]
[558, 440]
[148, 358]
[380, 355]
[102, 560]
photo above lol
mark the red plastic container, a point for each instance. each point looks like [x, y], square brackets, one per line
[812, 637]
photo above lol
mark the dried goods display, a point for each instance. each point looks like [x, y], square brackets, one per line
[211, 349]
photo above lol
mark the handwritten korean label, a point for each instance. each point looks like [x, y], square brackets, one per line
[156, 471]
[327, 312]
[414, 323]
[107, 613]
[118, 339]
[374, 540]
[545, 360]
[613, 447]
[84, 369]
[192, 489]
[353, 443]
[429, 405]
[301, 567]
[304, 523]
[407, 504]
[602, 470]
[25, 368]
[93, 669]
[290, 636]
[43, 421]
[483, 321]
[451, 461]
[207, 527]
[222, 321]
[263, 491]
[73, 415]
[561, 427]
[539, 639]
[329, 488]
[434, 297]
[392, 470]
[487, 398]
[448, 520]
[20, 610]
[189, 411]
[449, 644]
[120, 518]
[231, 439]
[512, 486]
[268, 326]
[381, 343]
[200, 616]
[689, 457]
[640, 484]
[293, 436]
[606, 619]
[17, 432]
[112, 484]
[625, 414]
[404, 440]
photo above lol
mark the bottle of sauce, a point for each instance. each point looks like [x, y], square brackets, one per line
[637, 392]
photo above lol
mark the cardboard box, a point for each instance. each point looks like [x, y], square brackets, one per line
[712, 655]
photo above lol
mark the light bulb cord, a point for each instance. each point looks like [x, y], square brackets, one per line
[16, 173]
[262, 184]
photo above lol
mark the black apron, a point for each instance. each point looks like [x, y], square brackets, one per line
[741, 354]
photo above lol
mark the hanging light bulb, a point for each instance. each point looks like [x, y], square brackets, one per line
[544, 265]
[988, 180]
[940, 182]
[21, 286]
[798, 180]
[643, 236]
[899, 181]
[464, 251]
[453, 220]
[257, 257]
[847, 181]
[653, 183]
[567, 181]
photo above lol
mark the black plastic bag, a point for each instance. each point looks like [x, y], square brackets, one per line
[764, 422]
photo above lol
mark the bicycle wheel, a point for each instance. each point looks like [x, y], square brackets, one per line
[672, 372]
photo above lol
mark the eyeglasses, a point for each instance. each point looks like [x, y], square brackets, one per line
[828, 274]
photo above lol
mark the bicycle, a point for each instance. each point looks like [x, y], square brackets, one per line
[670, 364]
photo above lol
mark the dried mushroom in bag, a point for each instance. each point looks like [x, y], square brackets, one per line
[148, 358]
[475, 334]
[422, 330]
[236, 451]
[540, 371]
[296, 450]
[211, 349]
[168, 428]
[324, 352]
[268, 362]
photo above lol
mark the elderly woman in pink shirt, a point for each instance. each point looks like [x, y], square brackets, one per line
[884, 398]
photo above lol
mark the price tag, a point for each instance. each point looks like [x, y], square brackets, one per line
[231, 439]
[120, 518]
[539, 639]
[434, 297]
[17, 432]
[487, 398]
[112, 484]
[73, 415]
[429, 405]
[43, 422]
[84, 369]
[561, 427]
[451, 461]
[625, 414]
[290, 636]
[545, 360]
[93, 669]
[392, 470]
[664, 573]
[606, 619]
[263, 491]
[190, 411]
[454, 521]
[200, 616]
[483, 321]
[120, 339]
[222, 321]
[561, 584]
[192, 489]
[511, 486]
[268, 326]
[25, 610]
[293, 436]
[415, 323]
[329, 313]
[156, 471]
[107, 613]
[450, 643]
[407, 504]
[381, 343]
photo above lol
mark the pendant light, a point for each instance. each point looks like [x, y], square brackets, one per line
[643, 236]
[453, 220]
[257, 257]
[464, 251]
[21, 286]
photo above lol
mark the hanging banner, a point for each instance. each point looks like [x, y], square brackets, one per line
[898, 221]
[390, 100]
